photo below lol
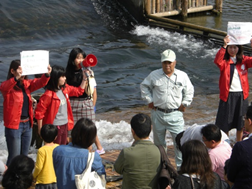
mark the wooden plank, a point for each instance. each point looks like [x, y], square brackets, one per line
[200, 9]
[188, 25]
[169, 13]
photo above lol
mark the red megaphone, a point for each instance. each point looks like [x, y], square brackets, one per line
[89, 61]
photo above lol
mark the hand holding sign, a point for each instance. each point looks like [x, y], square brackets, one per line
[34, 62]
[240, 33]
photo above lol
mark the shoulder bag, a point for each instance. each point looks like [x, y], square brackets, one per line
[88, 179]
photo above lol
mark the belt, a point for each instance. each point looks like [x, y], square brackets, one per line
[167, 110]
[24, 120]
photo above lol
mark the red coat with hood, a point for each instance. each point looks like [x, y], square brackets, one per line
[13, 99]
[224, 66]
[49, 103]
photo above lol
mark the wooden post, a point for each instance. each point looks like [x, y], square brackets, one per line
[153, 6]
[166, 5]
[221, 2]
[218, 5]
[184, 6]
[178, 4]
[158, 6]
[169, 5]
[147, 4]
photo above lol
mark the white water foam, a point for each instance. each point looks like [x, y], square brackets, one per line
[113, 136]
[185, 44]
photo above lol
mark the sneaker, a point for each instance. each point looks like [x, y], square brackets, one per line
[100, 152]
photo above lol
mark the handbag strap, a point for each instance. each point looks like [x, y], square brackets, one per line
[89, 162]
[192, 182]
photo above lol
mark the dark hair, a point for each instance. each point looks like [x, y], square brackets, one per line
[57, 72]
[84, 133]
[48, 132]
[141, 124]
[196, 160]
[71, 67]
[19, 173]
[211, 132]
[239, 55]
[177, 140]
[13, 65]
[249, 112]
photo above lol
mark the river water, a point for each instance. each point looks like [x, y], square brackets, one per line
[126, 50]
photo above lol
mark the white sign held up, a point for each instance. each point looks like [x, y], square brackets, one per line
[34, 62]
[240, 33]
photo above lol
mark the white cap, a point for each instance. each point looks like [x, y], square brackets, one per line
[168, 55]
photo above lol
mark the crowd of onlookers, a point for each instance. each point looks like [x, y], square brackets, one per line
[65, 115]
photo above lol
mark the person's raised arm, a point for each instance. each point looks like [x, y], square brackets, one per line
[226, 40]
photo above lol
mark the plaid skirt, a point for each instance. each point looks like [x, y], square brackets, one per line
[230, 114]
[82, 108]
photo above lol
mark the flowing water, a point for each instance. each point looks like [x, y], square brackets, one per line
[126, 50]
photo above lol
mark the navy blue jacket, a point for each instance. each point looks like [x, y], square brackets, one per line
[240, 165]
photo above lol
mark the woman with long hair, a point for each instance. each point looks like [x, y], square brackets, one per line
[196, 169]
[18, 110]
[234, 87]
[84, 105]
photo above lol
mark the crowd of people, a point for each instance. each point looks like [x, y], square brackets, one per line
[65, 115]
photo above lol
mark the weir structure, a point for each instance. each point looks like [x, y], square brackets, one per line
[172, 14]
[169, 14]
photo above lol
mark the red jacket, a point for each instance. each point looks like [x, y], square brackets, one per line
[49, 103]
[13, 99]
[224, 66]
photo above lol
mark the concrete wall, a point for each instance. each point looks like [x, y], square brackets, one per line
[135, 8]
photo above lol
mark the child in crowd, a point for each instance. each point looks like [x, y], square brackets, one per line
[19, 173]
[84, 105]
[234, 87]
[44, 172]
[54, 106]
[17, 108]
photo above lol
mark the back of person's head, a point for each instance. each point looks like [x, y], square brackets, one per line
[72, 56]
[196, 160]
[19, 173]
[49, 132]
[239, 55]
[57, 72]
[141, 124]
[84, 133]
[249, 113]
[178, 138]
[211, 132]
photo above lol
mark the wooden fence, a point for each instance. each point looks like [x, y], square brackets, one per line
[176, 7]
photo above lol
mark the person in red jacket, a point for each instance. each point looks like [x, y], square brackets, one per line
[54, 105]
[17, 108]
[234, 87]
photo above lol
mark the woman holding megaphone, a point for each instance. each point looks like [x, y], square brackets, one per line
[84, 105]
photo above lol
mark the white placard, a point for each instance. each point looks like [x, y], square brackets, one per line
[240, 33]
[34, 62]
